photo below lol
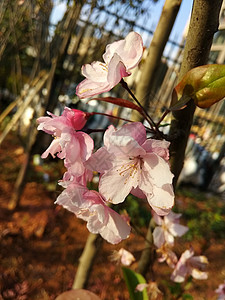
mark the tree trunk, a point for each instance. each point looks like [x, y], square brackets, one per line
[86, 260]
[153, 60]
[146, 261]
[203, 24]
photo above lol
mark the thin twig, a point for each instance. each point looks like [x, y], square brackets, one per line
[110, 116]
[145, 113]
[163, 116]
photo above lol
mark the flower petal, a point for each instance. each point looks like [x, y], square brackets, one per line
[88, 88]
[162, 199]
[158, 168]
[100, 161]
[116, 230]
[116, 71]
[177, 229]
[107, 135]
[117, 183]
[158, 147]
[53, 148]
[130, 50]
[135, 130]
[195, 273]
[97, 71]
[158, 237]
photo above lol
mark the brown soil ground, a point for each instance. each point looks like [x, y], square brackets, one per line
[41, 244]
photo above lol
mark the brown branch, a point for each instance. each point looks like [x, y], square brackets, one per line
[93, 244]
[203, 24]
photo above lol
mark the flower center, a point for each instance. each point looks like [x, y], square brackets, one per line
[130, 169]
[104, 67]
[164, 227]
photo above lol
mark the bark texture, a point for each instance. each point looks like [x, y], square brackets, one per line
[153, 60]
[203, 24]
[93, 244]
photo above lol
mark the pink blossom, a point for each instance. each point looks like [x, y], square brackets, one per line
[69, 178]
[131, 163]
[74, 147]
[91, 207]
[167, 255]
[141, 286]
[168, 228]
[120, 57]
[73, 118]
[190, 265]
[123, 256]
[152, 290]
[126, 257]
[221, 291]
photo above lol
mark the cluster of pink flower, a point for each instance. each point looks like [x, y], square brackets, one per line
[167, 228]
[128, 162]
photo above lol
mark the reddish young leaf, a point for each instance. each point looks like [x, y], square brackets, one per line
[204, 84]
[120, 102]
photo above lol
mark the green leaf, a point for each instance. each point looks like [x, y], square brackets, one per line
[132, 279]
[121, 102]
[204, 84]
[187, 297]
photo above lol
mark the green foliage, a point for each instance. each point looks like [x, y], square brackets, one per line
[204, 215]
[132, 279]
[175, 289]
[187, 297]
[137, 211]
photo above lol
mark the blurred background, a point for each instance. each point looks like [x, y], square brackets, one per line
[43, 44]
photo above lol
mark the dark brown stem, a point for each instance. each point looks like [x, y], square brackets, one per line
[110, 116]
[89, 130]
[145, 113]
[148, 254]
[163, 116]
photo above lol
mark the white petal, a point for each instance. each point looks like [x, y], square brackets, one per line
[169, 238]
[88, 88]
[117, 183]
[130, 50]
[135, 130]
[158, 169]
[97, 71]
[116, 70]
[158, 237]
[177, 229]
[107, 135]
[195, 273]
[162, 199]
[116, 229]
[100, 161]
[125, 146]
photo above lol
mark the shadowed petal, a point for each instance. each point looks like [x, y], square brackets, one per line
[117, 183]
